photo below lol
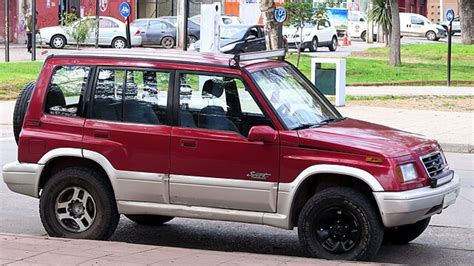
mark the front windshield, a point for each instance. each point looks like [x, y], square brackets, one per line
[295, 101]
[232, 32]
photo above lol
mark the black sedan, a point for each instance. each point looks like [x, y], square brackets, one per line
[156, 31]
[239, 39]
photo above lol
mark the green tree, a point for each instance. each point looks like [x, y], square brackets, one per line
[300, 14]
[381, 15]
[79, 30]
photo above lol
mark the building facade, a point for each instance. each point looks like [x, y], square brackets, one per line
[437, 9]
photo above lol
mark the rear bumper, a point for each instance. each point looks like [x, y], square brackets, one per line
[408, 207]
[22, 178]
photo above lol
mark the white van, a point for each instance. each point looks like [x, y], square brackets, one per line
[412, 24]
[357, 25]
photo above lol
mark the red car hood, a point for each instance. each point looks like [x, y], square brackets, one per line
[355, 136]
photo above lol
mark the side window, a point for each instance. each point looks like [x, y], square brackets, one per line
[143, 101]
[66, 90]
[217, 103]
[107, 103]
[416, 20]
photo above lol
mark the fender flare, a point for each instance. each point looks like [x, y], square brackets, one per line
[288, 191]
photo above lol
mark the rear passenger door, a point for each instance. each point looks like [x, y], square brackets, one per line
[128, 125]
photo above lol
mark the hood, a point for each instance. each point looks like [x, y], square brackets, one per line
[359, 137]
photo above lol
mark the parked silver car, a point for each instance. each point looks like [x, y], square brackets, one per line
[112, 33]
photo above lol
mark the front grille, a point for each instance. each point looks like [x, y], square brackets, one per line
[434, 163]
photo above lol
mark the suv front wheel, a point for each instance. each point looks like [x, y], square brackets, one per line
[77, 202]
[340, 223]
[406, 233]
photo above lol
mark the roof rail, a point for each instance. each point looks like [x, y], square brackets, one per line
[234, 62]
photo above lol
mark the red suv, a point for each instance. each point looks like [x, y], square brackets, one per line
[245, 138]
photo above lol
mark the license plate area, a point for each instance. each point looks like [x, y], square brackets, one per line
[449, 198]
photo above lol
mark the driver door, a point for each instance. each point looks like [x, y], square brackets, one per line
[254, 40]
[213, 164]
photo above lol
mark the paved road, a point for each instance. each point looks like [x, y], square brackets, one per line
[19, 53]
[449, 239]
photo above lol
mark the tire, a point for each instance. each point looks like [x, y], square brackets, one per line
[119, 43]
[302, 49]
[334, 213]
[406, 233]
[314, 45]
[61, 196]
[167, 42]
[363, 36]
[21, 106]
[431, 35]
[57, 41]
[333, 46]
[149, 219]
[192, 39]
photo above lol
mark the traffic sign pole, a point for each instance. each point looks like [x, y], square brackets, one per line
[450, 18]
[125, 10]
[450, 28]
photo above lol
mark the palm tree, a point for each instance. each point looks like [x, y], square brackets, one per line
[381, 15]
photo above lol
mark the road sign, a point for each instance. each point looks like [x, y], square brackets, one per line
[450, 15]
[124, 9]
[280, 14]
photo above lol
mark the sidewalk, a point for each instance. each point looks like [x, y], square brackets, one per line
[453, 130]
[22, 249]
[409, 90]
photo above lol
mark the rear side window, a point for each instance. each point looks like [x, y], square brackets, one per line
[144, 99]
[66, 90]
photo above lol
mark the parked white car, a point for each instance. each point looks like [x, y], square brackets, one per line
[412, 24]
[322, 34]
[456, 25]
[226, 20]
[112, 33]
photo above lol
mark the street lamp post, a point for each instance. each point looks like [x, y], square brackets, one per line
[7, 32]
[33, 33]
[97, 23]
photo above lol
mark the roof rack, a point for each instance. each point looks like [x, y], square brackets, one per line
[234, 61]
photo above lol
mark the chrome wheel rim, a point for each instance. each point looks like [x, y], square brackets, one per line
[75, 209]
[119, 44]
[58, 42]
[315, 44]
[167, 43]
[431, 35]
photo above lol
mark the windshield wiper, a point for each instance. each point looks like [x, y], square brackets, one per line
[305, 126]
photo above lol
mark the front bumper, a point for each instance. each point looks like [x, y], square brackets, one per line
[22, 178]
[408, 207]
[304, 44]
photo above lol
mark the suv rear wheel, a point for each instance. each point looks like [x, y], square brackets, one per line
[314, 45]
[339, 223]
[406, 233]
[333, 46]
[77, 202]
[149, 219]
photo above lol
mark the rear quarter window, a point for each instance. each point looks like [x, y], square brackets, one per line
[66, 90]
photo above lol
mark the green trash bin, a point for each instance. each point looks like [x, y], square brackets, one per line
[325, 80]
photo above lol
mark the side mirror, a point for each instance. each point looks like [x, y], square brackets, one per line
[263, 133]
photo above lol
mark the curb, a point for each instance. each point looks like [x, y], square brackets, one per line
[457, 148]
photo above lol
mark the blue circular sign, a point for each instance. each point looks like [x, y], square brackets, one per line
[450, 15]
[124, 9]
[280, 14]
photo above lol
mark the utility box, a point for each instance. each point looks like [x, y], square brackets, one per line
[330, 81]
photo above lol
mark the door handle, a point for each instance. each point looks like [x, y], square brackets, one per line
[188, 143]
[101, 134]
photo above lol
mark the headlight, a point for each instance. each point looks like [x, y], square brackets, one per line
[407, 172]
[228, 47]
